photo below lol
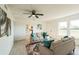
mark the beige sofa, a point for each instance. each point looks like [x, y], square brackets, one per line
[60, 47]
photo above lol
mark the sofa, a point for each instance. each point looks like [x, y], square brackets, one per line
[60, 47]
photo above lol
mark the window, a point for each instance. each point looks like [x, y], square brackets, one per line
[74, 28]
[69, 28]
[62, 28]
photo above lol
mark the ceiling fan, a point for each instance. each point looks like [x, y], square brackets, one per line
[34, 13]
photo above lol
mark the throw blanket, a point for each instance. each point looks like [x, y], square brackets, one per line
[48, 43]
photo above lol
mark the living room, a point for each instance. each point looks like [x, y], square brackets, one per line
[57, 20]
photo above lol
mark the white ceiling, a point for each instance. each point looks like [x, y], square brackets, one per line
[50, 11]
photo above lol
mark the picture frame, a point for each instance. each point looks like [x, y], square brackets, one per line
[5, 24]
[39, 26]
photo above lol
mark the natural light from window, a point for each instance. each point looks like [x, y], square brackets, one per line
[72, 27]
[62, 28]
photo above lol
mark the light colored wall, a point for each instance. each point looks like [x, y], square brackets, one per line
[6, 43]
[52, 26]
[20, 32]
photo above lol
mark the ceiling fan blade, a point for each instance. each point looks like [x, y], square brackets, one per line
[30, 16]
[36, 16]
[40, 14]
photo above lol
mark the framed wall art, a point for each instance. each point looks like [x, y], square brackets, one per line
[39, 26]
[5, 24]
